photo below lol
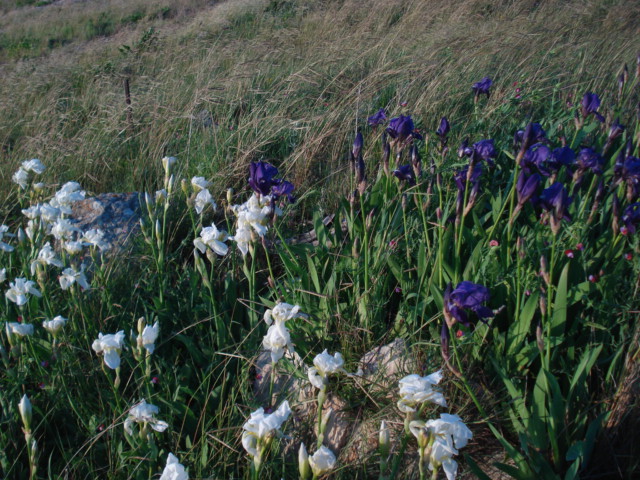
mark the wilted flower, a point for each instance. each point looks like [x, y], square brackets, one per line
[4, 246]
[213, 238]
[325, 364]
[415, 390]
[19, 289]
[322, 461]
[589, 105]
[377, 118]
[110, 345]
[174, 470]
[466, 296]
[260, 429]
[482, 87]
[70, 276]
[144, 413]
[54, 326]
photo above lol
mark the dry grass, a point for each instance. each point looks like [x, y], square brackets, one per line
[285, 80]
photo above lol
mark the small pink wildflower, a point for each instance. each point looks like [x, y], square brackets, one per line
[494, 243]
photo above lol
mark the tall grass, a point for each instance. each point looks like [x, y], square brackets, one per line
[284, 83]
[291, 82]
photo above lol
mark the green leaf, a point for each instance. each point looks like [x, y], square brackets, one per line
[560, 304]
[473, 466]
[520, 328]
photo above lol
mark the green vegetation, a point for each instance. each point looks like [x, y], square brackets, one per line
[545, 385]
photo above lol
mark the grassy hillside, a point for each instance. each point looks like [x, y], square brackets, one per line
[514, 270]
[287, 80]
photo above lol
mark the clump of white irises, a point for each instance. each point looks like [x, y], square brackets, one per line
[21, 176]
[278, 338]
[253, 216]
[259, 431]
[439, 439]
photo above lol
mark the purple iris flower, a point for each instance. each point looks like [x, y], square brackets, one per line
[466, 296]
[464, 150]
[590, 159]
[526, 187]
[556, 199]
[460, 177]
[282, 189]
[615, 131]
[377, 118]
[559, 157]
[484, 150]
[536, 155]
[590, 105]
[482, 87]
[261, 177]
[358, 143]
[631, 219]
[401, 128]
[405, 173]
[444, 127]
[628, 171]
[534, 133]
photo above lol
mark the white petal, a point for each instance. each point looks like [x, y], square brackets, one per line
[112, 358]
